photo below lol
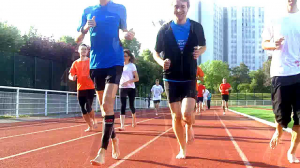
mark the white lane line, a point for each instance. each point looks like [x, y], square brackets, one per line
[54, 129]
[236, 146]
[272, 124]
[45, 147]
[138, 149]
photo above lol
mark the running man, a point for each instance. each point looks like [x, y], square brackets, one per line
[205, 94]
[80, 71]
[127, 87]
[156, 91]
[182, 41]
[224, 89]
[200, 89]
[103, 21]
[282, 36]
[209, 100]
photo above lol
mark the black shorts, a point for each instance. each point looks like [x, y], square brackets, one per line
[225, 97]
[199, 99]
[177, 91]
[103, 76]
[156, 101]
[90, 93]
[285, 99]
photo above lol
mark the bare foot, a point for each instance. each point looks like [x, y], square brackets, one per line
[122, 129]
[292, 158]
[99, 159]
[190, 136]
[181, 155]
[275, 139]
[89, 129]
[115, 148]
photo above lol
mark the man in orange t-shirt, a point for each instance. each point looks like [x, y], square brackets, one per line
[199, 76]
[80, 70]
[224, 89]
[201, 89]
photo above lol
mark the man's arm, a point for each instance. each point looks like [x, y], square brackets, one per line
[85, 29]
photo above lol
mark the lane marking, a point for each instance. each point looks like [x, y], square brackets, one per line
[236, 146]
[72, 140]
[138, 149]
[54, 129]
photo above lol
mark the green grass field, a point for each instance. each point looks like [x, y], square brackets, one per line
[259, 113]
[8, 117]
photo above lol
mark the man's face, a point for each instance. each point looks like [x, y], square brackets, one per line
[180, 9]
[83, 50]
[292, 3]
[224, 80]
[157, 82]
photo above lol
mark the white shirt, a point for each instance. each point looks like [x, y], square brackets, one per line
[157, 91]
[128, 75]
[285, 61]
[205, 94]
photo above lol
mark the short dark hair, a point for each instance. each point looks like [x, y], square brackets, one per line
[188, 2]
[132, 58]
[83, 45]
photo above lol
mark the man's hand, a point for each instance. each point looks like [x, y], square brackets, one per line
[129, 35]
[197, 52]
[278, 43]
[126, 83]
[92, 22]
[167, 64]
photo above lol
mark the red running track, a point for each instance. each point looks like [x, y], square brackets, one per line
[221, 141]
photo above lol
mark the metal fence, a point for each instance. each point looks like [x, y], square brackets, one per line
[243, 102]
[15, 101]
[244, 96]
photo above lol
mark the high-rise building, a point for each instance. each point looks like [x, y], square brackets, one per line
[233, 34]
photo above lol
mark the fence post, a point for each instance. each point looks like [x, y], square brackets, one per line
[67, 111]
[141, 103]
[46, 103]
[116, 103]
[17, 102]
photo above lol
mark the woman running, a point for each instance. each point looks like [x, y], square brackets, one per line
[127, 87]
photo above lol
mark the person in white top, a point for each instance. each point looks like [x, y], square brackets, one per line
[282, 35]
[157, 90]
[205, 94]
[127, 87]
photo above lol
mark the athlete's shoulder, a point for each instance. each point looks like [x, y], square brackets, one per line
[90, 9]
[118, 6]
[165, 26]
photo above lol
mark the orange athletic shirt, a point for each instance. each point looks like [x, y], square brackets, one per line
[200, 73]
[82, 70]
[200, 90]
[224, 87]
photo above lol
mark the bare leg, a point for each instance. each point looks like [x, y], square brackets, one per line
[178, 128]
[187, 111]
[86, 117]
[276, 136]
[294, 144]
[108, 110]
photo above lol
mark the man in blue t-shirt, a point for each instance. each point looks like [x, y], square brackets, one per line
[103, 21]
[182, 41]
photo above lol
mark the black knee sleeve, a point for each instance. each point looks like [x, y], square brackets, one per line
[82, 102]
[107, 130]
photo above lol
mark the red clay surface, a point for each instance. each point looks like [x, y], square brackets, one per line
[60, 143]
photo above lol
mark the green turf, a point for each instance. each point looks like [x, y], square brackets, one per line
[8, 117]
[259, 113]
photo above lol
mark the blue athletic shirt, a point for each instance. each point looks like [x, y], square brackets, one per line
[181, 33]
[106, 47]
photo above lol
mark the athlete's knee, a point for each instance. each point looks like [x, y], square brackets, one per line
[176, 117]
[108, 108]
[187, 117]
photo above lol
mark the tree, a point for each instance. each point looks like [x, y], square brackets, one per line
[214, 72]
[244, 88]
[68, 40]
[239, 74]
[11, 39]
[258, 81]
[133, 45]
[148, 56]
[266, 70]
